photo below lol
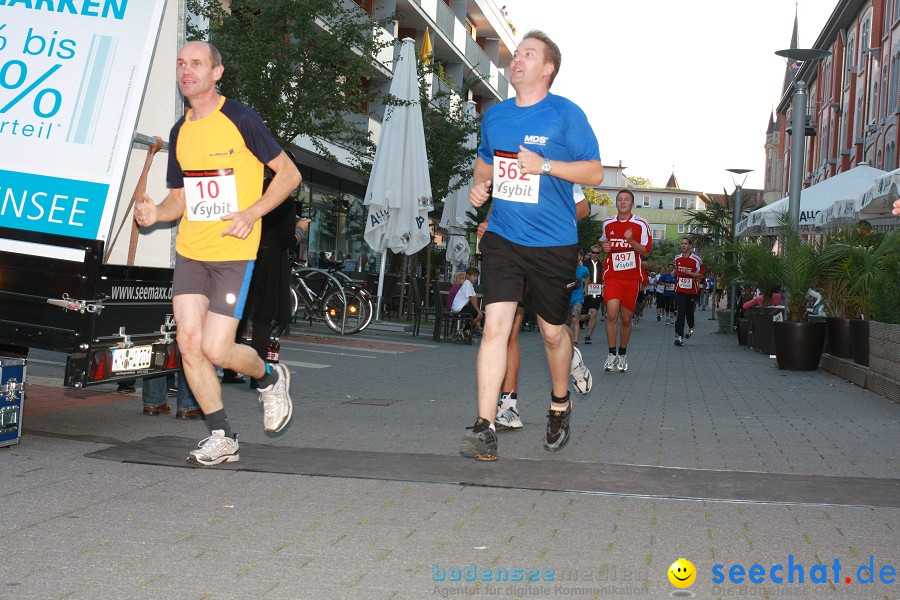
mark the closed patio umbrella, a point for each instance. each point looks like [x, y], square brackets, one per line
[399, 189]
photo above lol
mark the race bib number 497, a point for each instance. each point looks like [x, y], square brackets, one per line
[210, 195]
[510, 183]
[623, 261]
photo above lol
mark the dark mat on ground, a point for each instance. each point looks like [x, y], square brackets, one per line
[551, 475]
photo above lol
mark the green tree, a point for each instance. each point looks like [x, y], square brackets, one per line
[303, 65]
[596, 198]
[661, 254]
[447, 131]
[639, 181]
[590, 229]
[713, 232]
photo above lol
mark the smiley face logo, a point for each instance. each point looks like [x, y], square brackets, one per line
[682, 573]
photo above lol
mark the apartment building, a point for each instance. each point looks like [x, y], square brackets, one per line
[663, 208]
[468, 37]
[853, 101]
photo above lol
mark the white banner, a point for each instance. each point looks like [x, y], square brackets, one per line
[72, 77]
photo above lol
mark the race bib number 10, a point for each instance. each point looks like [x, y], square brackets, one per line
[210, 195]
[623, 261]
[510, 183]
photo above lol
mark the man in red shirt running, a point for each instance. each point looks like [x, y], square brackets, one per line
[689, 270]
[626, 241]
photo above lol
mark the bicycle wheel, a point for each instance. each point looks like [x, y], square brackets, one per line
[358, 311]
[295, 301]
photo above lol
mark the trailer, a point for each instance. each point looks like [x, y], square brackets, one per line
[87, 98]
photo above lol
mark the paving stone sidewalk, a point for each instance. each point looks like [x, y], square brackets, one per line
[77, 527]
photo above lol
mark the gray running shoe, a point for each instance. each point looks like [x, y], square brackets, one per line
[215, 449]
[507, 414]
[622, 364]
[610, 363]
[558, 429]
[581, 376]
[276, 400]
[481, 444]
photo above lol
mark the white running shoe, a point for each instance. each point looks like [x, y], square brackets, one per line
[507, 413]
[581, 377]
[621, 364]
[215, 449]
[276, 401]
[610, 363]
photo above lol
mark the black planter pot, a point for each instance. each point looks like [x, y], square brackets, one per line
[838, 333]
[724, 317]
[859, 341]
[762, 328]
[798, 346]
[743, 329]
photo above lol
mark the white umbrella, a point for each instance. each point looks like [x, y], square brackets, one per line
[814, 199]
[454, 219]
[399, 190]
[839, 213]
[879, 199]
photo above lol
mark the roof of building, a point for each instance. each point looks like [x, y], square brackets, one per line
[673, 183]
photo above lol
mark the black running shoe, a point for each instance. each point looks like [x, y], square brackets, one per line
[558, 428]
[587, 339]
[481, 444]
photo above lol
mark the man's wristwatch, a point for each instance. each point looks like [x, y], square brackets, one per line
[545, 168]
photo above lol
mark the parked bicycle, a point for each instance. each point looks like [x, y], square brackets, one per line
[330, 296]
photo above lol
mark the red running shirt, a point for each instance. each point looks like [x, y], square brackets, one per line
[685, 284]
[623, 262]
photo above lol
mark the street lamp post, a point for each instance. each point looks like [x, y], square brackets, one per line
[736, 217]
[798, 129]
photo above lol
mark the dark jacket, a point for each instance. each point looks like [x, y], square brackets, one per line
[269, 296]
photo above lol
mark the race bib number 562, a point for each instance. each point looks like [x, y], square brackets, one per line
[510, 183]
[210, 195]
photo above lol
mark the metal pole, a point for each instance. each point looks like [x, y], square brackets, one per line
[798, 149]
[384, 256]
[732, 296]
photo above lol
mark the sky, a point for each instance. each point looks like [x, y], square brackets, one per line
[683, 83]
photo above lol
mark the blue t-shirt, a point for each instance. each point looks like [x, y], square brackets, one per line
[556, 129]
[668, 284]
[577, 296]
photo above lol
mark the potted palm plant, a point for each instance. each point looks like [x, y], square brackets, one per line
[758, 269]
[798, 342]
[862, 265]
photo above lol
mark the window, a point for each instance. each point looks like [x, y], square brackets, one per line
[658, 232]
[692, 203]
[864, 37]
[646, 200]
[892, 88]
[851, 56]
[681, 228]
[896, 9]
[680, 203]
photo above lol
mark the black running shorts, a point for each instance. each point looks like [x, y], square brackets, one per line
[541, 277]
